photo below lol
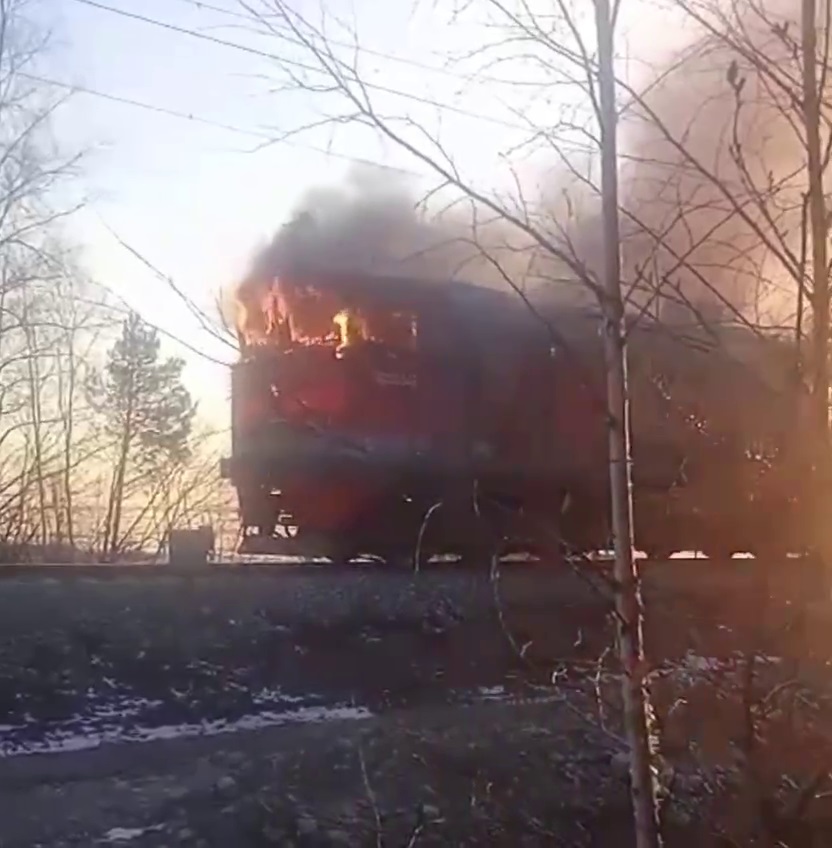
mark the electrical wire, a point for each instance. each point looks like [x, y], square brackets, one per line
[390, 57]
[198, 119]
[265, 54]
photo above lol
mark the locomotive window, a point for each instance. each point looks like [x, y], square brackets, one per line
[360, 325]
[395, 329]
[321, 317]
[311, 314]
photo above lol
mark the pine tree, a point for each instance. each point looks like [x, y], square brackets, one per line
[147, 414]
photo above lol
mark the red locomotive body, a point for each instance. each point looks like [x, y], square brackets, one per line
[360, 402]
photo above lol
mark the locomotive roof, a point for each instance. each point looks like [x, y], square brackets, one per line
[425, 294]
[407, 291]
[487, 309]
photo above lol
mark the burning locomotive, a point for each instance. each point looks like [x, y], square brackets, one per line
[363, 404]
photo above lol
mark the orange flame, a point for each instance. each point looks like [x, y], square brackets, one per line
[285, 313]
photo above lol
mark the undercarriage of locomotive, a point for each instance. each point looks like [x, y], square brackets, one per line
[381, 527]
[389, 525]
[407, 522]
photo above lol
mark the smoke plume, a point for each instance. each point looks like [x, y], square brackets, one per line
[712, 175]
[700, 149]
[374, 224]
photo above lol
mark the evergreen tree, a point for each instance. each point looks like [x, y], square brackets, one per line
[147, 413]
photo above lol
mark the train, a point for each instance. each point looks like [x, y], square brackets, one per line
[378, 416]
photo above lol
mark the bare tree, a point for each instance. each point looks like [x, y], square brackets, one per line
[818, 216]
[49, 416]
[37, 286]
[755, 77]
[194, 496]
[628, 603]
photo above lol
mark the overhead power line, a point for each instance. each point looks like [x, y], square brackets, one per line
[192, 118]
[390, 57]
[265, 54]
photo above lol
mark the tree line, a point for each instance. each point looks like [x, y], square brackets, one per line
[101, 447]
[98, 462]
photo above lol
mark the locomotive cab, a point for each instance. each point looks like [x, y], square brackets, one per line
[340, 416]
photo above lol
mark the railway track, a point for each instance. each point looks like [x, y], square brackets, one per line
[111, 571]
[115, 571]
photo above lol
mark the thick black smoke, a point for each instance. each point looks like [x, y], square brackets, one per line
[373, 223]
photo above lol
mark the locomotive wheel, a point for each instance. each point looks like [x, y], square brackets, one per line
[258, 508]
[476, 551]
[658, 553]
[770, 552]
[719, 553]
[384, 531]
[536, 536]
[401, 560]
[341, 551]
[438, 534]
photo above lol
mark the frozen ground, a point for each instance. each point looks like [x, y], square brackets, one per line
[319, 708]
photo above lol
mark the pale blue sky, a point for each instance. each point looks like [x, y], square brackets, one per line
[196, 199]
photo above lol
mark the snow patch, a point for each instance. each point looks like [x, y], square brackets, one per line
[65, 741]
[696, 663]
[694, 668]
[492, 693]
[125, 834]
[272, 696]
